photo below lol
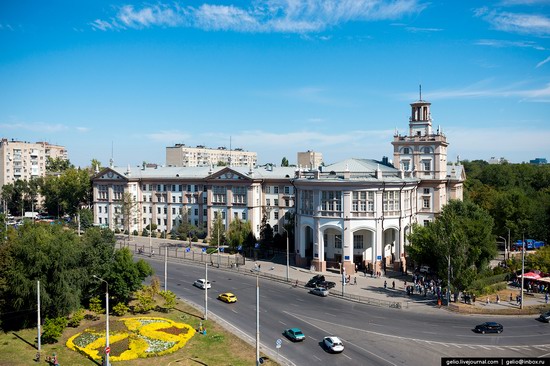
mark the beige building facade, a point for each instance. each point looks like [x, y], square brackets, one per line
[309, 159]
[181, 155]
[20, 160]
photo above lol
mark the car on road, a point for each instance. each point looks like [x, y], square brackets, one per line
[320, 291]
[545, 317]
[227, 297]
[333, 344]
[202, 283]
[294, 334]
[489, 327]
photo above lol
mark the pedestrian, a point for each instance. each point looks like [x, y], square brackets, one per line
[54, 360]
[356, 267]
[511, 297]
[355, 280]
[385, 284]
[393, 285]
[498, 299]
[365, 271]
[488, 302]
[546, 297]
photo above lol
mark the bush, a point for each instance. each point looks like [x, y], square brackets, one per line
[53, 328]
[77, 317]
[95, 305]
[135, 233]
[145, 303]
[169, 299]
[120, 309]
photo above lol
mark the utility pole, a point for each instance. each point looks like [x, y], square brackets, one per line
[522, 269]
[257, 321]
[165, 267]
[205, 290]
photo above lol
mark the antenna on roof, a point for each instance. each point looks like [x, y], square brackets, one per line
[420, 89]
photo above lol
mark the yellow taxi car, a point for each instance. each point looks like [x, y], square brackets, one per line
[227, 297]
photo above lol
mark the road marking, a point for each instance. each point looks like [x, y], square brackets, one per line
[347, 356]
[317, 358]
[283, 323]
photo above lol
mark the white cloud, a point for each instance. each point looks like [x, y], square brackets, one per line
[499, 43]
[40, 127]
[543, 61]
[422, 30]
[286, 16]
[532, 24]
[83, 129]
[479, 90]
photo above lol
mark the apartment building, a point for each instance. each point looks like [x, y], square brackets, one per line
[310, 159]
[201, 156]
[25, 160]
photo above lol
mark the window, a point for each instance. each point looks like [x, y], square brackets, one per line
[287, 202]
[426, 222]
[205, 212]
[196, 212]
[363, 201]
[276, 215]
[276, 202]
[426, 202]
[144, 210]
[325, 240]
[306, 202]
[426, 191]
[331, 201]
[99, 208]
[243, 215]
[287, 190]
[391, 200]
[218, 194]
[150, 209]
[158, 222]
[358, 242]
[275, 189]
[267, 202]
[338, 241]
[173, 210]
[165, 210]
[275, 228]
[426, 164]
[173, 199]
[406, 165]
[236, 215]
[239, 195]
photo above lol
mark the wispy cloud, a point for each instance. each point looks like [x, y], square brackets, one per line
[543, 61]
[523, 2]
[6, 27]
[285, 16]
[422, 30]
[541, 94]
[35, 127]
[532, 24]
[499, 43]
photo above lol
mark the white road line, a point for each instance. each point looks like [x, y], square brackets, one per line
[317, 358]
[484, 347]
[545, 355]
[347, 356]
[283, 323]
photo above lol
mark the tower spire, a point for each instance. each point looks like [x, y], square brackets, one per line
[420, 89]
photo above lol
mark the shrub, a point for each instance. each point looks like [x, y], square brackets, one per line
[145, 303]
[135, 233]
[53, 328]
[120, 309]
[77, 317]
[95, 305]
[155, 286]
[169, 299]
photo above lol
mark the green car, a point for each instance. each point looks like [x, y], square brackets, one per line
[294, 334]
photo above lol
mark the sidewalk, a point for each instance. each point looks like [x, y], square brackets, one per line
[373, 287]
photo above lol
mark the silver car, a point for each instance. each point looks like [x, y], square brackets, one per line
[320, 291]
[201, 283]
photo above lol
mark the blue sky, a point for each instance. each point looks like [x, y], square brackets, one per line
[275, 76]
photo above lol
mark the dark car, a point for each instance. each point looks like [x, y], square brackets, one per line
[545, 317]
[319, 281]
[489, 327]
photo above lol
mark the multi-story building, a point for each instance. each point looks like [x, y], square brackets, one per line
[357, 212]
[187, 156]
[26, 160]
[310, 159]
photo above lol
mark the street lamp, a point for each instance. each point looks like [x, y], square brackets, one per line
[287, 260]
[503, 238]
[522, 268]
[107, 348]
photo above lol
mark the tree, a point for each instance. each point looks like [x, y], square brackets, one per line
[57, 165]
[284, 162]
[217, 230]
[462, 237]
[128, 211]
[238, 232]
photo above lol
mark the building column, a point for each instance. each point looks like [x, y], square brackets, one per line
[318, 262]
[347, 237]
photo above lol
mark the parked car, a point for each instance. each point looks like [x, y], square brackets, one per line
[489, 327]
[227, 297]
[294, 334]
[545, 317]
[425, 269]
[333, 344]
[319, 281]
[320, 291]
[201, 283]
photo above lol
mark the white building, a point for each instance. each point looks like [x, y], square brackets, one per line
[357, 212]
[182, 155]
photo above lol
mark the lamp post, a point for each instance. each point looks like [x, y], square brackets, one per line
[509, 243]
[205, 290]
[257, 321]
[522, 268]
[503, 238]
[287, 258]
[107, 348]
[150, 237]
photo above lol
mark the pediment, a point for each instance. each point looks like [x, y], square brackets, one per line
[109, 174]
[228, 174]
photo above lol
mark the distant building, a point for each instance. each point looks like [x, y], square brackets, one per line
[21, 160]
[310, 159]
[538, 161]
[181, 155]
[494, 160]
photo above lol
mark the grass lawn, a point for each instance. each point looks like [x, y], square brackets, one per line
[218, 347]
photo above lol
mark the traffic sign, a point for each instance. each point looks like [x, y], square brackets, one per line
[279, 342]
[107, 350]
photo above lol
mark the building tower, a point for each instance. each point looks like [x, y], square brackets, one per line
[423, 155]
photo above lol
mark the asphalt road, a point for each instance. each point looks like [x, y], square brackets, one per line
[371, 335]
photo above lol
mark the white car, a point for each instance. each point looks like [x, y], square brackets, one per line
[320, 291]
[425, 269]
[201, 283]
[333, 344]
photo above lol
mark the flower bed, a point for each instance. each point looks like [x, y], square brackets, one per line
[144, 337]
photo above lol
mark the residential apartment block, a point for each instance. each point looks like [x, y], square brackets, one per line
[310, 159]
[353, 212]
[187, 156]
[26, 160]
